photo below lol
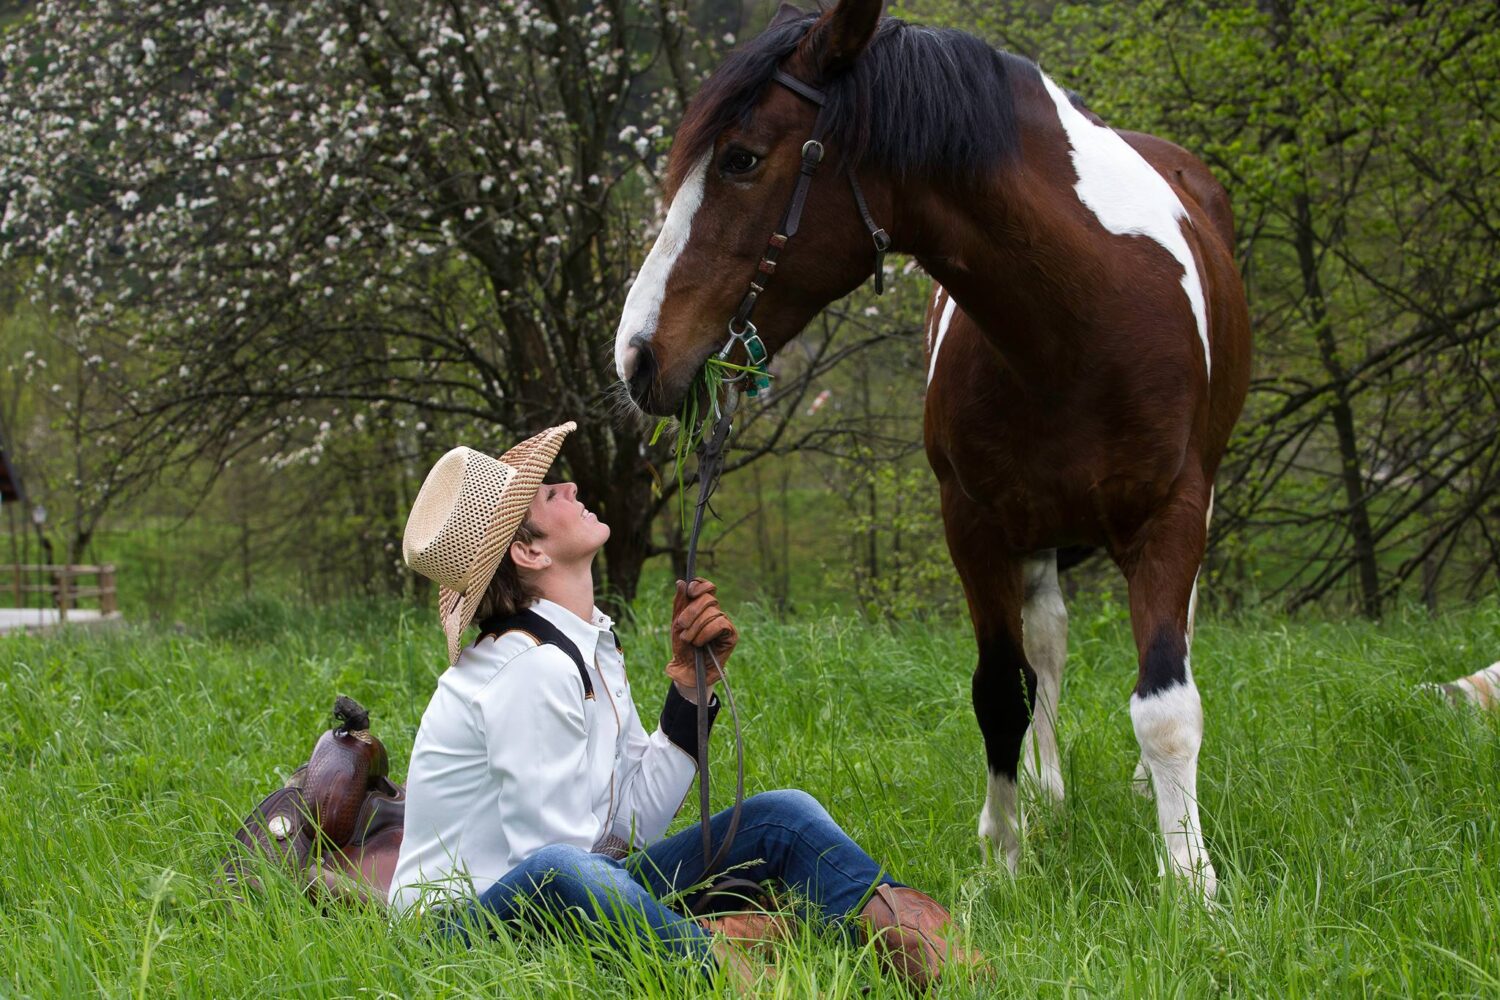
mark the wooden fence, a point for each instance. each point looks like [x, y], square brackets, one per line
[60, 586]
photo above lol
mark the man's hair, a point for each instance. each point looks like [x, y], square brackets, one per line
[507, 593]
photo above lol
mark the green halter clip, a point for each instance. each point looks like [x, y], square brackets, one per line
[756, 366]
[756, 352]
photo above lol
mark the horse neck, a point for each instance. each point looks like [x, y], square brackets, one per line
[1012, 248]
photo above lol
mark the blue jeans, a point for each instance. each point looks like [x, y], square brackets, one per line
[784, 835]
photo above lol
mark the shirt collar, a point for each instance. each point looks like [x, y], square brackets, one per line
[585, 634]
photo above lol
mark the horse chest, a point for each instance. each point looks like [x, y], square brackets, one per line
[1048, 470]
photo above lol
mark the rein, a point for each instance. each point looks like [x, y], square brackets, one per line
[743, 332]
[710, 467]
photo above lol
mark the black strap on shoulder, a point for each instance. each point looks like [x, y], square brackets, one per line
[544, 633]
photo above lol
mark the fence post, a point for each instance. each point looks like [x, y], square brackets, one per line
[15, 583]
[64, 588]
[107, 604]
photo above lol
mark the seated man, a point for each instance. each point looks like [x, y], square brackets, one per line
[534, 787]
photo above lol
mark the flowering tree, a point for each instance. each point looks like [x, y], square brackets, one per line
[290, 222]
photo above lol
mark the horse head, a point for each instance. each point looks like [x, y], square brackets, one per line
[732, 177]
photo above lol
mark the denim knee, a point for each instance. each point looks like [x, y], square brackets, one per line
[560, 857]
[789, 806]
[573, 863]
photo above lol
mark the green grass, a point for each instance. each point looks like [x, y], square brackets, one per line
[1356, 827]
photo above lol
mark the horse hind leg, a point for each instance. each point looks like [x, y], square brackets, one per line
[1140, 781]
[1165, 708]
[1044, 629]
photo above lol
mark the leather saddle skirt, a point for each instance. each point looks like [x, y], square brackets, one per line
[336, 825]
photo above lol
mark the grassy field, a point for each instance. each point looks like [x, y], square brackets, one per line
[1356, 827]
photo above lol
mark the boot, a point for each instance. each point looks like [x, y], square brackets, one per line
[755, 931]
[911, 931]
[744, 974]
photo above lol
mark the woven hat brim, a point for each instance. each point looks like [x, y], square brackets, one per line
[531, 459]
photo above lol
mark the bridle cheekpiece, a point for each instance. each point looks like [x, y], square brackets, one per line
[741, 330]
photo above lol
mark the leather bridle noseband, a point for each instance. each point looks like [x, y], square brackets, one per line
[741, 330]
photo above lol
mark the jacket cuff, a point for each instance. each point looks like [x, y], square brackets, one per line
[679, 720]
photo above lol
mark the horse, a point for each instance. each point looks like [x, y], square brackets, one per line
[1087, 341]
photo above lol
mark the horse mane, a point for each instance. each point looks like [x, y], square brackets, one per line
[944, 108]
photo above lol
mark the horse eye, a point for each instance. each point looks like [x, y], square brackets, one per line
[739, 161]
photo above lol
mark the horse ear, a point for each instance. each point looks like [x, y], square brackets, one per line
[786, 12]
[850, 26]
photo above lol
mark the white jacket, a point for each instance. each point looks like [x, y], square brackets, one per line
[512, 757]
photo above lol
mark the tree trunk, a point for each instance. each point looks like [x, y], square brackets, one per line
[1350, 472]
[623, 492]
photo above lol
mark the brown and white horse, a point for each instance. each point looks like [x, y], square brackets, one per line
[1088, 341]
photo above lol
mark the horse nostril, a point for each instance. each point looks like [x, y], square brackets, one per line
[627, 362]
[644, 374]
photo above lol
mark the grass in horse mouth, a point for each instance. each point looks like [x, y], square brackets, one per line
[695, 419]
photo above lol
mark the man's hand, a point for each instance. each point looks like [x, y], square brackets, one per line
[698, 623]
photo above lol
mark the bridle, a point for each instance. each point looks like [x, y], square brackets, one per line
[741, 330]
[711, 455]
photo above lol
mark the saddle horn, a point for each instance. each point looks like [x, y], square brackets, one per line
[346, 762]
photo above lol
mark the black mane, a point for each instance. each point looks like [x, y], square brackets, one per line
[918, 100]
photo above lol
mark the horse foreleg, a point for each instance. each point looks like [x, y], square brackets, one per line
[1004, 692]
[1044, 621]
[1165, 709]
[1004, 686]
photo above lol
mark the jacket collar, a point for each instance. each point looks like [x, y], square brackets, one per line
[585, 634]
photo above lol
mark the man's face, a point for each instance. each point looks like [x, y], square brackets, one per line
[572, 531]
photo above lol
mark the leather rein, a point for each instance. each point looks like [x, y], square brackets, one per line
[743, 332]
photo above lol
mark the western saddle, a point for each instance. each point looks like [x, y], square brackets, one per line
[336, 825]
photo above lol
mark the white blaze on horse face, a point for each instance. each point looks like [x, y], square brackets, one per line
[1129, 196]
[1169, 727]
[942, 331]
[1001, 822]
[643, 303]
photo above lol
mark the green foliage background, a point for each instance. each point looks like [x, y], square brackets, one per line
[1357, 141]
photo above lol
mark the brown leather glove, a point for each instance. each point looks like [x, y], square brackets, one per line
[698, 622]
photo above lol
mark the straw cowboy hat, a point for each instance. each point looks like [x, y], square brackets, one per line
[465, 518]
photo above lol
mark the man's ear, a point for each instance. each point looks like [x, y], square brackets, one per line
[845, 31]
[526, 555]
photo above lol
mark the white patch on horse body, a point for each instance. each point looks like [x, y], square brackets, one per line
[1193, 606]
[1129, 197]
[1481, 688]
[942, 331]
[1001, 822]
[1169, 727]
[643, 302]
[1044, 634]
[937, 309]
